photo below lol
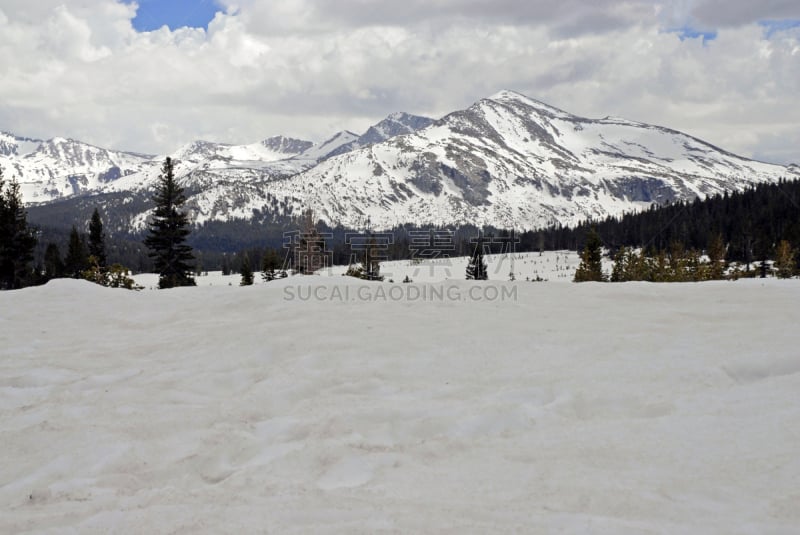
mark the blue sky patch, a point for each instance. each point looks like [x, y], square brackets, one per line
[691, 33]
[153, 14]
[773, 26]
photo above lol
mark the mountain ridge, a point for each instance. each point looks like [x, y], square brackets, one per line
[507, 160]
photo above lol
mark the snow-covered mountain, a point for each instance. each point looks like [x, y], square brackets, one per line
[396, 124]
[60, 167]
[330, 147]
[63, 168]
[11, 145]
[508, 160]
[269, 150]
[274, 156]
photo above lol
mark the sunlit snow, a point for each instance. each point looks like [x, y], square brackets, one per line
[569, 408]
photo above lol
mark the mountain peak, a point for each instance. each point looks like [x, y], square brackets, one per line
[286, 145]
[506, 96]
[403, 118]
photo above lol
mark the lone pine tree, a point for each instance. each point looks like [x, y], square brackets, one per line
[591, 267]
[246, 271]
[168, 230]
[476, 268]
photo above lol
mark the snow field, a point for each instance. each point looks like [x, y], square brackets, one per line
[624, 408]
[550, 266]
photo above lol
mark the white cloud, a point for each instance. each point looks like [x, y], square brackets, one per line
[310, 67]
[738, 12]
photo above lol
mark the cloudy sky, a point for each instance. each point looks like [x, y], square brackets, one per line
[154, 75]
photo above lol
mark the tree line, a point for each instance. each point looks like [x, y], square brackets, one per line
[678, 264]
[751, 224]
[756, 230]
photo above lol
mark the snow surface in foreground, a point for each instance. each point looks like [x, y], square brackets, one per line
[625, 408]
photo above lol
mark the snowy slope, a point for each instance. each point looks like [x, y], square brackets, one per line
[335, 143]
[620, 409]
[512, 161]
[60, 167]
[396, 124]
[220, 155]
[11, 145]
[275, 156]
[204, 166]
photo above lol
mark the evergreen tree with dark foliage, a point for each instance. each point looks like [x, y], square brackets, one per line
[784, 260]
[53, 264]
[716, 256]
[476, 268]
[750, 222]
[226, 266]
[77, 259]
[169, 228]
[591, 267]
[246, 271]
[271, 265]
[372, 264]
[97, 239]
[310, 255]
[17, 240]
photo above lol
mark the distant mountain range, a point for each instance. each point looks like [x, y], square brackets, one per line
[508, 160]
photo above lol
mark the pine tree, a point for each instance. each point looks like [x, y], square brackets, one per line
[476, 268]
[660, 271]
[97, 239]
[270, 265]
[678, 263]
[716, 257]
[169, 228]
[226, 266]
[115, 276]
[372, 264]
[695, 269]
[246, 271]
[310, 254]
[622, 265]
[17, 240]
[785, 260]
[118, 278]
[198, 264]
[53, 264]
[591, 266]
[95, 273]
[77, 259]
